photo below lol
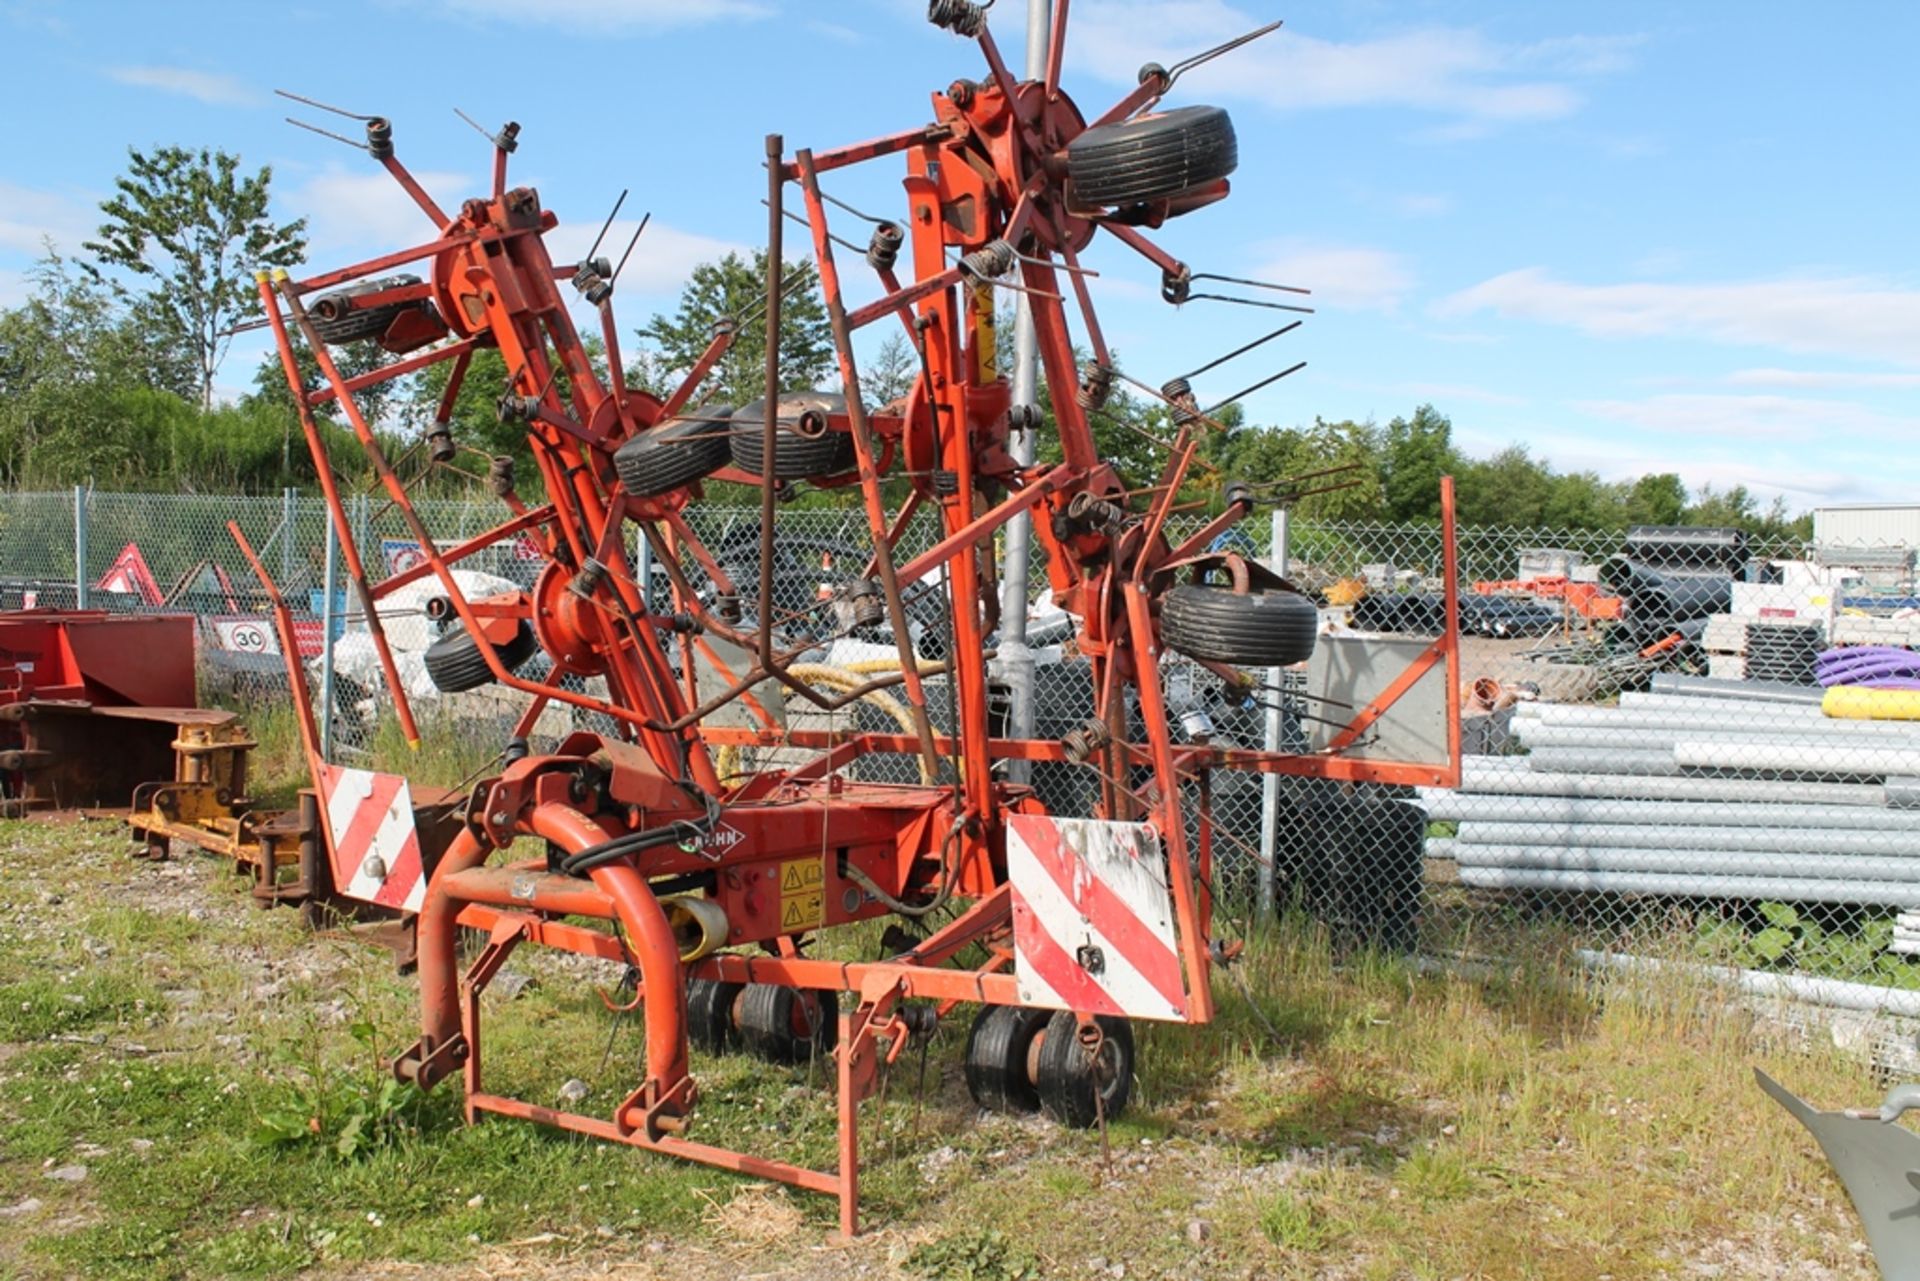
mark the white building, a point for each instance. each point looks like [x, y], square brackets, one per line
[1867, 525]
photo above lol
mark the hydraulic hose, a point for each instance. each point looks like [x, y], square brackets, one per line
[583, 861]
[1874, 666]
[851, 676]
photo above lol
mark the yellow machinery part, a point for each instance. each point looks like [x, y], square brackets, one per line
[1856, 703]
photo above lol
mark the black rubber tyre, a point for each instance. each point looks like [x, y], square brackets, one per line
[710, 1015]
[1067, 1077]
[455, 664]
[1152, 157]
[1260, 629]
[784, 1024]
[675, 453]
[337, 322]
[997, 1048]
[795, 457]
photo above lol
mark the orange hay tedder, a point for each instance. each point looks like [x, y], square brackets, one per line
[716, 884]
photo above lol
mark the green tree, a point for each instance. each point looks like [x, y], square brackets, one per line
[79, 382]
[1738, 508]
[1657, 499]
[1581, 500]
[891, 372]
[1416, 453]
[1266, 454]
[378, 401]
[735, 289]
[1510, 489]
[185, 231]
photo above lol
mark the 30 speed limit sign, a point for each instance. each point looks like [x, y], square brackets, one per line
[245, 636]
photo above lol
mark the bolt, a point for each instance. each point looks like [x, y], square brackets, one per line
[499, 818]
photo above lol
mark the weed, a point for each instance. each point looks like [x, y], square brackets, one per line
[1436, 1174]
[1293, 1223]
[350, 1113]
[974, 1256]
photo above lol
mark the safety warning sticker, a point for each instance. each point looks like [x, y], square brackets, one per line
[803, 894]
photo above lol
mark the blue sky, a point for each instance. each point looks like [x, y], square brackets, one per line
[1633, 237]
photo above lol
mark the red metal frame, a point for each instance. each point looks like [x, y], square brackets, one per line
[986, 171]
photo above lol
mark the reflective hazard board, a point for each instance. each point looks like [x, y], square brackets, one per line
[1092, 919]
[370, 826]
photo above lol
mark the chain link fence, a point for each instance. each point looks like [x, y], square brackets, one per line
[1650, 769]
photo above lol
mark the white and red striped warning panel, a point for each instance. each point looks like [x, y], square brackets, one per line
[376, 849]
[1092, 920]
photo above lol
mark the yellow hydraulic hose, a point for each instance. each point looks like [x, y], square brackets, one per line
[841, 678]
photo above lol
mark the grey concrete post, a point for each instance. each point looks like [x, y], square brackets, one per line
[329, 619]
[80, 546]
[1277, 556]
[287, 499]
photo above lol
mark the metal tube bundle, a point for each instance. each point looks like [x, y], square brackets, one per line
[1698, 788]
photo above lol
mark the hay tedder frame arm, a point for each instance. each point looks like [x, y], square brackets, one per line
[714, 884]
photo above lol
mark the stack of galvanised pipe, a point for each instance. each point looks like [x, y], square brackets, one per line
[1697, 789]
[1906, 934]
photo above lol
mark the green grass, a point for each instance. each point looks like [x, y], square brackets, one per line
[219, 1071]
[279, 766]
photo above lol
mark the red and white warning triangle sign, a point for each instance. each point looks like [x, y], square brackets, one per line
[129, 575]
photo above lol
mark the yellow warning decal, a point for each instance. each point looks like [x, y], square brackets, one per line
[803, 894]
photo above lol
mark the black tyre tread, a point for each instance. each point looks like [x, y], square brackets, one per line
[1260, 629]
[455, 663]
[1066, 1077]
[766, 1024]
[710, 1015]
[795, 457]
[996, 1063]
[359, 325]
[676, 453]
[1152, 157]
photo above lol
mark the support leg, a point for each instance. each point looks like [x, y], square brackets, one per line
[853, 1045]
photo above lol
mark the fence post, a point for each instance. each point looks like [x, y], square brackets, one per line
[1277, 557]
[328, 585]
[286, 535]
[80, 546]
[643, 567]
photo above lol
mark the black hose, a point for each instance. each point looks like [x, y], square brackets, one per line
[583, 861]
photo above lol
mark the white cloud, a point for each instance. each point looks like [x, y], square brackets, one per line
[1756, 417]
[29, 218]
[1424, 205]
[1853, 316]
[1444, 393]
[202, 86]
[1449, 71]
[612, 16]
[1348, 278]
[836, 31]
[661, 262]
[368, 212]
[1780, 468]
[1580, 55]
[1820, 379]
